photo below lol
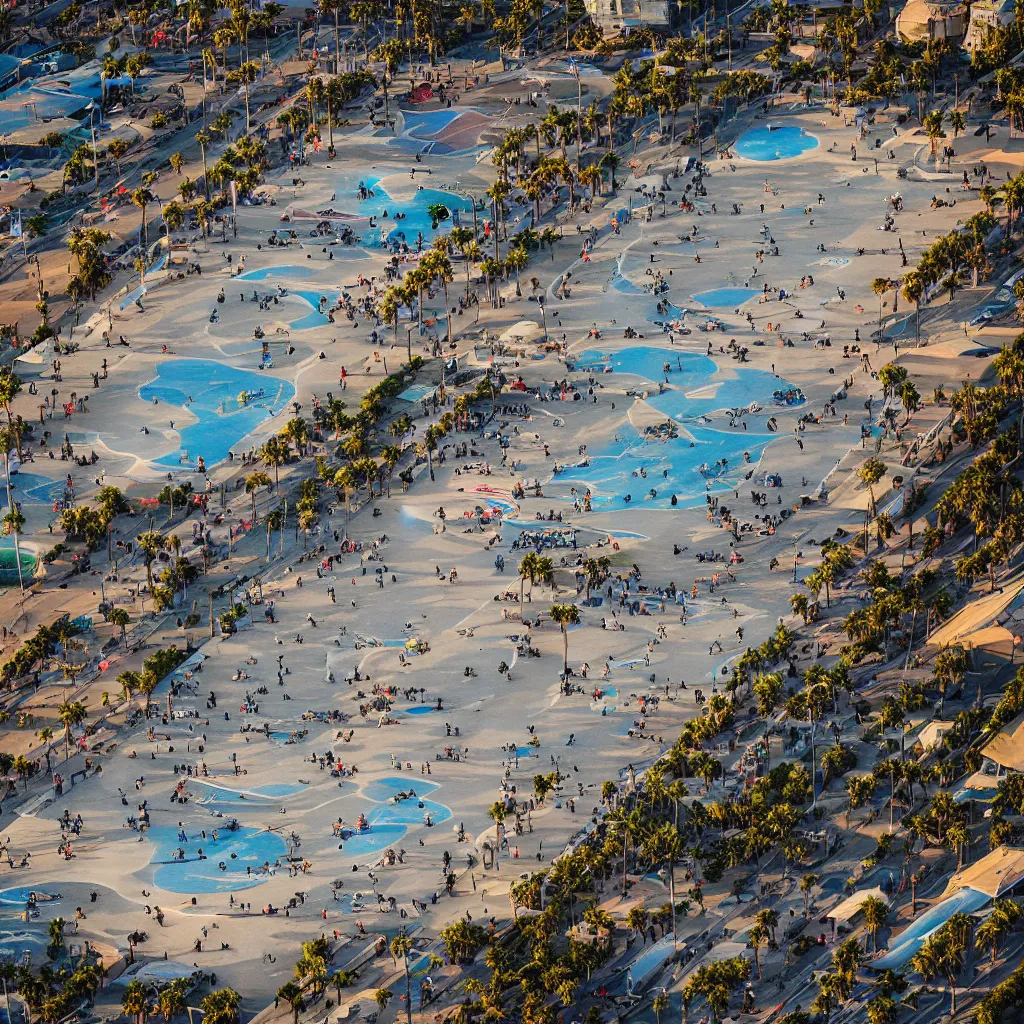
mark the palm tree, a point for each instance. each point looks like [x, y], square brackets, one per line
[382, 997]
[950, 668]
[343, 979]
[943, 954]
[565, 615]
[22, 768]
[876, 914]
[10, 386]
[120, 617]
[253, 482]
[959, 838]
[933, 129]
[45, 737]
[292, 995]
[880, 286]
[913, 290]
[117, 148]
[528, 570]
[659, 1004]
[870, 472]
[151, 544]
[171, 1000]
[70, 714]
[130, 681]
[757, 936]
[204, 138]
[993, 931]
[637, 920]
[141, 197]
[274, 452]
[134, 1002]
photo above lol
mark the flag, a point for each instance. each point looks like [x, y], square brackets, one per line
[234, 195]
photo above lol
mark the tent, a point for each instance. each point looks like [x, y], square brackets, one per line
[977, 615]
[932, 732]
[994, 875]
[846, 911]
[1006, 748]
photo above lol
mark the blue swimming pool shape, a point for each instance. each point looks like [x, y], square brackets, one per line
[633, 464]
[286, 270]
[251, 847]
[774, 142]
[416, 219]
[22, 893]
[726, 298]
[380, 836]
[314, 318]
[381, 790]
[408, 812]
[34, 488]
[214, 389]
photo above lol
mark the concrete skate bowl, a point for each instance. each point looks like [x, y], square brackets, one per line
[774, 142]
[440, 132]
[238, 859]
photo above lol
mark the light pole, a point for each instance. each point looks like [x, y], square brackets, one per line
[543, 316]
[95, 157]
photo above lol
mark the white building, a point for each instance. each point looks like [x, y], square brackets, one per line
[622, 16]
[986, 17]
[922, 21]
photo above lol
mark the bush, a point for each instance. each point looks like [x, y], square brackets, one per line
[53, 554]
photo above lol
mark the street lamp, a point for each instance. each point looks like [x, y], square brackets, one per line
[95, 158]
[543, 316]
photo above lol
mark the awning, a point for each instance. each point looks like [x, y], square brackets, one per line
[996, 873]
[976, 615]
[1006, 748]
[850, 907]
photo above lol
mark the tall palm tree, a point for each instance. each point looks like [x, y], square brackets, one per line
[204, 138]
[10, 385]
[876, 914]
[119, 617]
[253, 482]
[134, 1002]
[70, 714]
[995, 929]
[943, 954]
[151, 544]
[45, 737]
[274, 452]
[565, 615]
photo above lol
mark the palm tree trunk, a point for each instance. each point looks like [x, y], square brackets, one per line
[672, 896]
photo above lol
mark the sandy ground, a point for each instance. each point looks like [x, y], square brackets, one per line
[464, 623]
